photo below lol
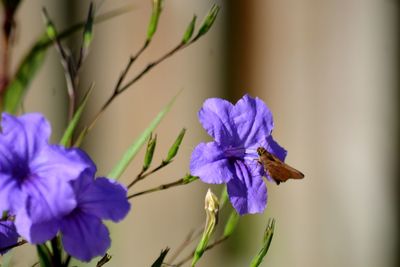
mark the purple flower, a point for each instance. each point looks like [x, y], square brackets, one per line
[35, 176]
[8, 235]
[231, 158]
[84, 236]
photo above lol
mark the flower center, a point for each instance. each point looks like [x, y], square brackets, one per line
[241, 153]
[21, 172]
[235, 152]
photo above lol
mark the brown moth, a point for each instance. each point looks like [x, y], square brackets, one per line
[277, 170]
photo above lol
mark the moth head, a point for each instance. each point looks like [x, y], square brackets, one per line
[261, 150]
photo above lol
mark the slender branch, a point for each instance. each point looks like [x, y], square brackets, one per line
[115, 93]
[158, 188]
[69, 71]
[128, 66]
[143, 175]
[189, 239]
[190, 256]
[20, 243]
[150, 66]
[118, 90]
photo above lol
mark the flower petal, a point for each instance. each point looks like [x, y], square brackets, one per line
[253, 120]
[247, 192]
[44, 202]
[104, 198]
[35, 233]
[8, 186]
[274, 148]
[210, 164]
[84, 236]
[60, 163]
[26, 134]
[48, 198]
[8, 235]
[216, 120]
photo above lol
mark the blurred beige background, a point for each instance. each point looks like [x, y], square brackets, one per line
[327, 70]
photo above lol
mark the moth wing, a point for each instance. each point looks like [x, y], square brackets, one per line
[281, 172]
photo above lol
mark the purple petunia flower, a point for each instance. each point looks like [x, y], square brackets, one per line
[35, 176]
[84, 236]
[8, 235]
[231, 158]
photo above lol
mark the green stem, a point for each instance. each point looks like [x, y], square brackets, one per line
[158, 188]
[143, 175]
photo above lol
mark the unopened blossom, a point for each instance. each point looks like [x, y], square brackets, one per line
[35, 176]
[84, 236]
[231, 158]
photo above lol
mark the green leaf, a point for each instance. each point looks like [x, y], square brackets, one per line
[34, 59]
[208, 21]
[155, 15]
[66, 139]
[231, 224]
[268, 234]
[223, 198]
[25, 73]
[50, 28]
[189, 30]
[175, 147]
[189, 178]
[44, 256]
[88, 30]
[159, 261]
[148, 157]
[121, 166]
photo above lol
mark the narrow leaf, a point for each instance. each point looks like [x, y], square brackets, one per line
[189, 30]
[34, 59]
[189, 178]
[159, 261]
[231, 224]
[88, 30]
[269, 232]
[121, 166]
[66, 139]
[223, 198]
[25, 73]
[155, 15]
[148, 157]
[44, 256]
[175, 147]
[50, 28]
[208, 21]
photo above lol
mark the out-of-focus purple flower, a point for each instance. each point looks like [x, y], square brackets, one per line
[231, 158]
[8, 235]
[84, 236]
[35, 176]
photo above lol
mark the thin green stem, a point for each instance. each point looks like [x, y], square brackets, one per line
[189, 256]
[158, 188]
[143, 175]
[118, 90]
